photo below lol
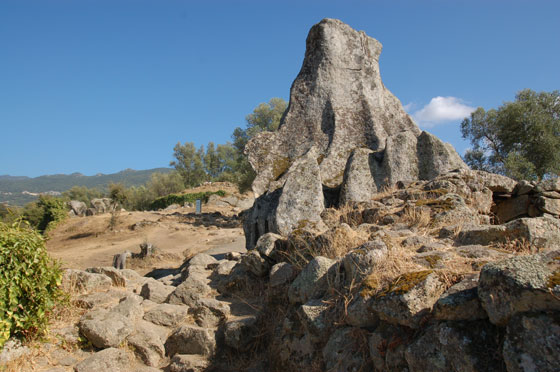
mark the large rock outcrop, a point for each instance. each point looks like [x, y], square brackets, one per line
[343, 137]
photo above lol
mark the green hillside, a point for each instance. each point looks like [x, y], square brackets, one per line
[12, 188]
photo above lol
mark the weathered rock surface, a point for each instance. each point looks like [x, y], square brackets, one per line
[101, 205]
[312, 281]
[460, 302]
[130, 307]
[358, 184]
[532, 343]
[409, 298]
[104, 328]
[240, 333]
[314, 317]
[111, 359]
[189, 339]
[156, 291]
[116, 275]
[78, 207]
[520, 284]
[387, 345]
[343, 352]
[455, 346]
[541, 232]
[280, 274]
[147, 344]
[254, 263]
[84, 281]
[188, 363]
[167, 315]
[342, 128]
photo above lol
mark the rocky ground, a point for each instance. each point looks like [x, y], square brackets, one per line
[417, 279]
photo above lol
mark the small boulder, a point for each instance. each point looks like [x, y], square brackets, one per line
[104, 328]
[460, 302]
[188, 363]
[156, 291]
[313, 315]
[147, 344]
[520, 284]
[112, 359]
[240, 333]
[130, 307]
[282, 273]
[84, 281]
[188, 339]
[116, 276]
[224, 267]
[209, 312]
[313, 281]
[188, 292]
[267, 244]
[359, 262]
[255, 263]
[202, 259]
[79, 208]
[167, 315]
[409, 298]
[347, 350]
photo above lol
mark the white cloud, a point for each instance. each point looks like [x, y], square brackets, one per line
[441, 110]
[409, 107]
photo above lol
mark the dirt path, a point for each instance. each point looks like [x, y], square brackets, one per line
[83, 242]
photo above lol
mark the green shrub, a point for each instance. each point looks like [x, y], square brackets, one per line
[167, 200]
[54, 211]
[29, 282]
[45, 213]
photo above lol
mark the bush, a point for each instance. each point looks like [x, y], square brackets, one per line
[45, 213]
[166, 201]
[29, 282]
[54, 210]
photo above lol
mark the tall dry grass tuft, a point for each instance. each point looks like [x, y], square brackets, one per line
[303, 246]
[418, 217]
[517, 246]
[386, 191]
[399, 260]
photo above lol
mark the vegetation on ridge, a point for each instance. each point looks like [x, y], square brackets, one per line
[520, 139]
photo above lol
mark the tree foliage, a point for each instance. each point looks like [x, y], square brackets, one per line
[520, 139]
[265, 117]
[83, 194]
[45, 213]
[227, 162]
[189, 162]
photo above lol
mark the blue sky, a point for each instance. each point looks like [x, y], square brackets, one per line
[100, 86]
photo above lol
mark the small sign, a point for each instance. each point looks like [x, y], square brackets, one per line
[198, 206]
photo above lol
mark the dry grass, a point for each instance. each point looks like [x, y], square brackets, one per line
[399, 260]
[386, 191]
[303, 246]
[152, 260]
[517, 246]
[418, 217]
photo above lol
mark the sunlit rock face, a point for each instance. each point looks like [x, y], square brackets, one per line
[338, 105]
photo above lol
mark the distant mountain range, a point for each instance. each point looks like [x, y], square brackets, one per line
[17, 190]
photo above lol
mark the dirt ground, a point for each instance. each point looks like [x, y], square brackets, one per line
[82, 242]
